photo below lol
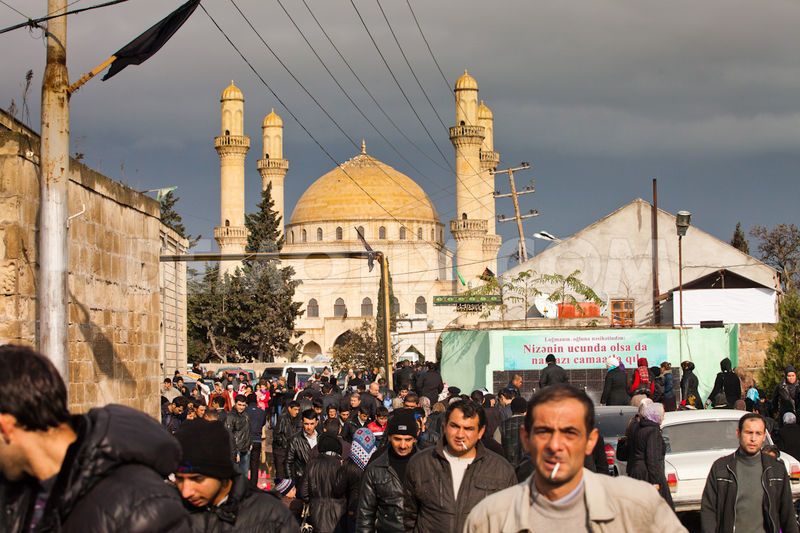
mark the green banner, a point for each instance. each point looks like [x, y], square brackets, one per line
[526, 350]
[495, 299]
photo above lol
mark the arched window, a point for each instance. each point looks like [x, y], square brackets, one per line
[227, 132]
[291, 237]
[227, 223]
[382, 232]
[312, 309]
[366, 307]
[402, 233]
[339, 309]
[360, 231]
[419, 234]
[339, 234]
[395, 310]
[433, 234]
[421, 306]
[463, 216]
[319, 234]
[305, 236]
[441, 235]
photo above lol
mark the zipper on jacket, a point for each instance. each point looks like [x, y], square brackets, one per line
[736, 481]
[769, 501]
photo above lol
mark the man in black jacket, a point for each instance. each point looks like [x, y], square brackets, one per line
[430, 384]
[289, 424]
[101, 471]
[299, 450]
[238, 425]
[748, 490]
[444, 482]
[380, 505]
[509, 432]
[552, 373]
[205, 478]
[258, 419]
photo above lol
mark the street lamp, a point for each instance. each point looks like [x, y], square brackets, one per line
[682, 222]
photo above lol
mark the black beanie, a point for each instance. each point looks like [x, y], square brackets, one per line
[206, 449]
[789, 368]
[550, 358]
[329, 443]
[403, 422]
[519, 406]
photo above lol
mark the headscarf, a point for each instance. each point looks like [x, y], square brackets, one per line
[612, 362]
[652, 411]
[644, 373]
[789, 418]
[362, 447]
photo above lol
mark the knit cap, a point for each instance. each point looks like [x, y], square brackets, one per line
[403, 422]
[362, 447]
[206, 449]
[329, 443]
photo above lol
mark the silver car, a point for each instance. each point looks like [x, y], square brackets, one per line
[694, 440]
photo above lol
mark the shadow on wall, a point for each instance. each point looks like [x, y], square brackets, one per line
[105, 358]
[465, 358]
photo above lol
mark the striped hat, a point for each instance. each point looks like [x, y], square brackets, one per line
[362, 447]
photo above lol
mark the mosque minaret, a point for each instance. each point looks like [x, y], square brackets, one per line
[272, 166]
[232, 146]
[473, 228]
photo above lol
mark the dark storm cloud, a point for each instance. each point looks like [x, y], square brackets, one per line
[600, 95]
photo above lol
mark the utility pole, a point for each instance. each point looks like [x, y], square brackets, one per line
[522, 249]
[54, 165]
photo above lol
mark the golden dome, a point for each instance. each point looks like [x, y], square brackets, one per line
[272, 119]
[466, 83]
[232, 92]
[335, 196]
[484, 112]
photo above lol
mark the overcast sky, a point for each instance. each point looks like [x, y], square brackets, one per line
[601, 96]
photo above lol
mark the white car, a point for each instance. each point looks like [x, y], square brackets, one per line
[694, 440]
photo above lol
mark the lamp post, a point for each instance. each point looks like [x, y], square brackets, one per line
[682, 221]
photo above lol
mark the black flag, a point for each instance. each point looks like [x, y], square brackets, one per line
[140, 49]
[371, 256]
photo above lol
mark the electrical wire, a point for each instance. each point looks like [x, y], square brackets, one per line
[14, 9]
[34, 23]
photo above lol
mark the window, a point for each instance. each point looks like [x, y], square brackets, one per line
[402, 233]
[419, 234]
[360, 231]
[291, 237]
[319, 234]
[382, 232]
[421, 306]
[622, 313]
[227, 222]
[339, 309]
[395, 310]
[366, 307]
[339, 234]
[433, 234]
[305, 236]
[312, 309]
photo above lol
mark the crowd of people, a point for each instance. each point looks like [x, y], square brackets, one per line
[358, 456]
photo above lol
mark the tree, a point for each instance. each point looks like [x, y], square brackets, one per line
[360, 349]
[205, 307]
[265, 226]
[567, 287]
[783, 350]
[780, 248]
[523, 288]
[739, 241]
[171, 218]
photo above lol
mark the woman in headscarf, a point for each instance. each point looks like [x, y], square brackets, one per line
[615, 388]
[690, 398]
[669, 400]
[646, 453]
[348, 478]
[643, 382]
[727, 387]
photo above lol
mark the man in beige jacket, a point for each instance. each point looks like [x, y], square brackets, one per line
[561, 495]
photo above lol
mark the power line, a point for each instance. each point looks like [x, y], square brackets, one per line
[397, 82]
[421, 88]
[34, 23]
[14, 9]
[363, 86]
[430, 50]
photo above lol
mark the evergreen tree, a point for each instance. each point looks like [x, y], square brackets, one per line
[169, 216]
[739, 241]
[265, 226]
[380, 317]
[783, 350]
[205, 308]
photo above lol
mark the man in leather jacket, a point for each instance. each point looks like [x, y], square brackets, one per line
[100, 471]
[299, 450]
[205, 478]
[289, 424]
[238, 425]
[380, 505]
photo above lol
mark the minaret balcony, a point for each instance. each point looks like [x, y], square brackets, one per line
[457, 132]
[489, 159]
[465, 228]
[491, 243]
[273, 164]
[230, 234]
[242, 141]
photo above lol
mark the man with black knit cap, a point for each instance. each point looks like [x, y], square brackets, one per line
[205, 478]
[380, 505]
[552, 374]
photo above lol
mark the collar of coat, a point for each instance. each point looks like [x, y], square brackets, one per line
[599, 507]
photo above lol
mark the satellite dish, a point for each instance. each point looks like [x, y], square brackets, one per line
[604, 306]
[545, 307]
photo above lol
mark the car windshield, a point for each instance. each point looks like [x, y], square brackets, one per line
[701, 436]
[273, 372]
[612, 425]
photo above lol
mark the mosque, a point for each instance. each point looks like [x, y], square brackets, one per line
[392, 212]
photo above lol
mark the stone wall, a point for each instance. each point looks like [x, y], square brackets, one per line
[172, 283]
[114, 245]
[754, 339]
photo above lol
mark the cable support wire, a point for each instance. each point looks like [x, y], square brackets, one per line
[338, 126]
[299, 122]
[34, 23]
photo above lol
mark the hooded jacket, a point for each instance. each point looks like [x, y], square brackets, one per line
[318, 488]
[615, 390]
[112, 479]
[728, 383]
[689, 384]
[786, 396]
[643, 380]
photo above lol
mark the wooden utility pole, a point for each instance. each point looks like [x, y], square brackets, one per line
[51, 298]
[387, 322]
[514, 194]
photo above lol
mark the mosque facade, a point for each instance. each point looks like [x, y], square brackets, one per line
[389, 209]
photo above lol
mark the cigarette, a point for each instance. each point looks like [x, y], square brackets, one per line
[555, 471]
[464, 445]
